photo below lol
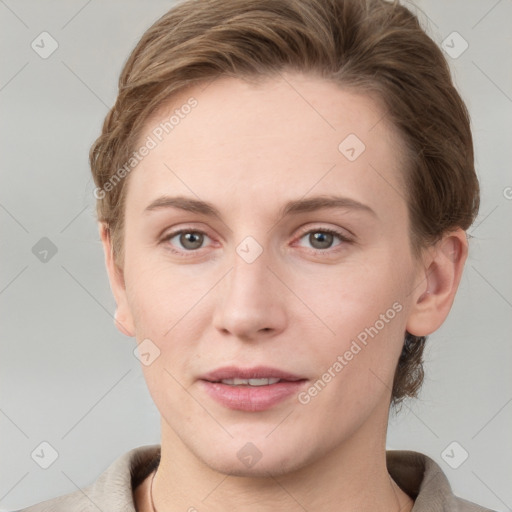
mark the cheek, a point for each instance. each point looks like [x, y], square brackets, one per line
[160, 296]
[167, 309]
[355, 372]
[365, 309]
[355, 297]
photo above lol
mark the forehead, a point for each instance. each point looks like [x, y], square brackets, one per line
[281, 137]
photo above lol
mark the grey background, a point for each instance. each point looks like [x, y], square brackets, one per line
[69, 378]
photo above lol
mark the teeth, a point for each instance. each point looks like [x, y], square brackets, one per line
[249, 382]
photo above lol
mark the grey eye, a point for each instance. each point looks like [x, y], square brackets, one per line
[189, 240]
[321, 239]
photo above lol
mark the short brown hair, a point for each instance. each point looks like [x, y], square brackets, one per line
[372, 46]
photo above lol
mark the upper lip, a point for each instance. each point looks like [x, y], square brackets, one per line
[255, 372]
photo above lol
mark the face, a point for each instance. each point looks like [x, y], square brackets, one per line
[266, 237]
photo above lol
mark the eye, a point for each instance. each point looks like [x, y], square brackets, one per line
[191, 240]
[322, 239]
[186, 239]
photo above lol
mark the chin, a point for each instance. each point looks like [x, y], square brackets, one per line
[253, 453]
[272, 463]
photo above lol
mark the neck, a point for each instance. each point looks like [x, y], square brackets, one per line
[353, 476]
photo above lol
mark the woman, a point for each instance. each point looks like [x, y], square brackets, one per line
[283, 193]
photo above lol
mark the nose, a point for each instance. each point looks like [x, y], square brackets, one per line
[250, 300]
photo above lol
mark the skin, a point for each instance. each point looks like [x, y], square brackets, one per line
[248, 149]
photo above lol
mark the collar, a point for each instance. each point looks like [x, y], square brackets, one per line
[416, 474]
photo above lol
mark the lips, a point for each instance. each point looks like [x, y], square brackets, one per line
[232, 373]
[251, 389]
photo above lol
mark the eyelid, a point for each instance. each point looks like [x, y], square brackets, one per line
[172, 231]
[349, 237]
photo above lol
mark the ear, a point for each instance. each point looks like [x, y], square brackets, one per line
[437, 283]
[123, 318]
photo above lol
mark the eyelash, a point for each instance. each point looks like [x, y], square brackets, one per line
[322, 252]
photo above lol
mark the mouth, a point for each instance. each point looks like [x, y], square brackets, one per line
[250, 382]
[256, 376]
[251, 389]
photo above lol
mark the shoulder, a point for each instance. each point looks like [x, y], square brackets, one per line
[424, 480]
[112, 490]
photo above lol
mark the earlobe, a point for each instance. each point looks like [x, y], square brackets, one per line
[123, 318]
[122, 326]
[437, 283]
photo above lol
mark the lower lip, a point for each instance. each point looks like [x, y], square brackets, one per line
[252, 398]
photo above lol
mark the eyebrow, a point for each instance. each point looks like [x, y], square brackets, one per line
[290, 208]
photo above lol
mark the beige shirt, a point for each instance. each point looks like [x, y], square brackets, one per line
[418, 475]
